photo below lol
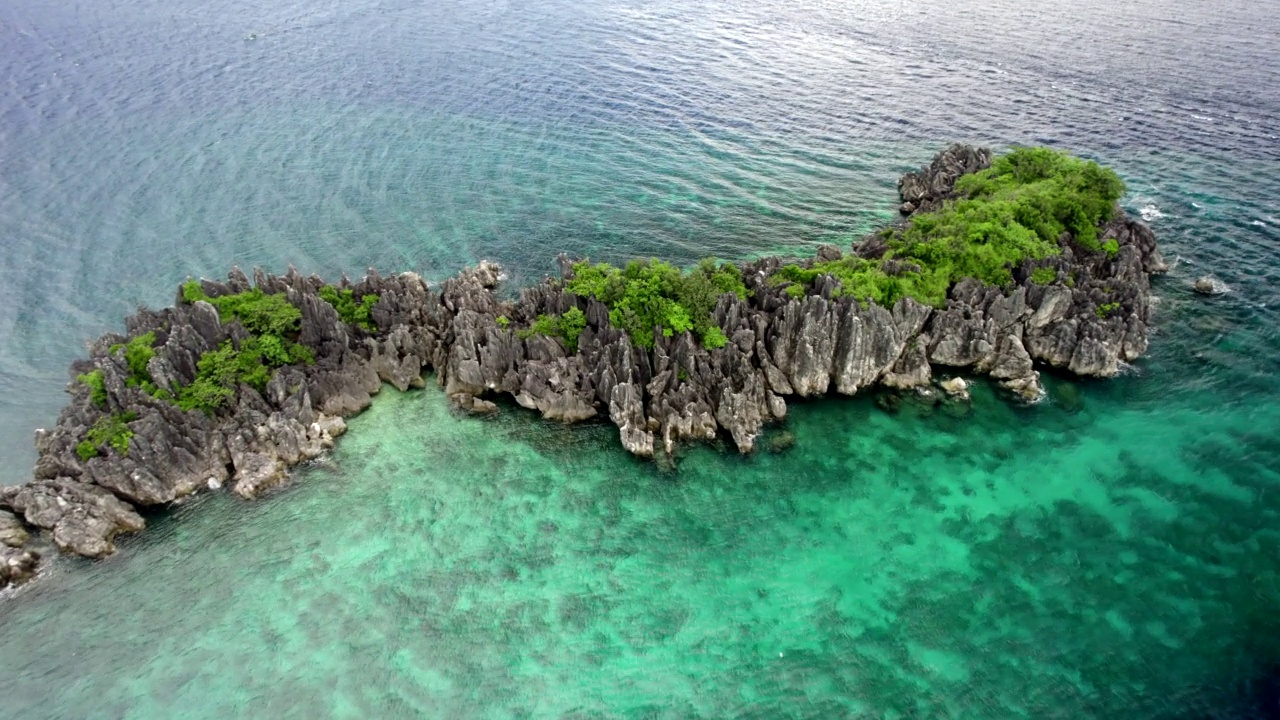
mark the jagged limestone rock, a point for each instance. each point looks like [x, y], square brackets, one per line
[1090, 320]
[84, 518]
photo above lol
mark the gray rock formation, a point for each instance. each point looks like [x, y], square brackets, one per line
[927, 188]
[1090, 321]
[1208, 285]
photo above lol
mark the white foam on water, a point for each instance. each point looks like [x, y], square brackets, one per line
[1150, 212]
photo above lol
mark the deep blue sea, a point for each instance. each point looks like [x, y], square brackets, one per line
[1113, 552]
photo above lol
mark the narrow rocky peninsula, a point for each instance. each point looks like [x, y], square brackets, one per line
[998, 265]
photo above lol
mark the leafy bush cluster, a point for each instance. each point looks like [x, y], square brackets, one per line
[1013, 211]
[273, 324]
[109, 431]
[1044, 275]
[137, 353]
[1105, 310]
[649, 294]
[97, 387]
[859, 278]
[567, 327]
[258, 312]
[350, 310]
[219, 372]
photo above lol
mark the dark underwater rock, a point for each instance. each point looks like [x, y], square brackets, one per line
[465, 332]
[782, 442]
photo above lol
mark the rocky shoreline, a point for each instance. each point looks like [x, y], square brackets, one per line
[1090, 320]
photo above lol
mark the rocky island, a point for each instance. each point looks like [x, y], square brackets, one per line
[998, 265]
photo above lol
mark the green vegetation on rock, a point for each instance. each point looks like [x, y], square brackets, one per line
[1011, 212]
[273, 323]
[350, 310]
[566, 327]
[649, 294]
[109, 431]
[863, 279]
[219, 372]
[1105, 310]
[97, 387]
[137, 353]
[1044, 275]
[258, 312]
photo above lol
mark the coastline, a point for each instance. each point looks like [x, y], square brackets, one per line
[1089, 320]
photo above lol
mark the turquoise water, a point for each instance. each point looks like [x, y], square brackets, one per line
[1002, 563]
[1111, 553]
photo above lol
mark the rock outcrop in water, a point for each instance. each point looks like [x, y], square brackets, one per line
[1091, 319]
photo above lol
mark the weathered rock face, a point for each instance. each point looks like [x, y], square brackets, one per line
[927, 188]
[84, 518]
[17, 564]
[12, 533]
[1090, 321]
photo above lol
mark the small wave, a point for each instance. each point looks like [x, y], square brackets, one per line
[1259, 223]
[1150, 212]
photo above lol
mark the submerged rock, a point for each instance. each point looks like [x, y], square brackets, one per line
[1068, 398]
[782, 442]
[1090, 320]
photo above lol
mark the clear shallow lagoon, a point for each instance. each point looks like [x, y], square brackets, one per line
[1113, 553]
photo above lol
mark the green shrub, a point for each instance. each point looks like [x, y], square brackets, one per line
[503, 321]
[86, 450]
[109, 431]
[258, 312]
[1111, 247]
[572, 323]
[137, 353]
[862, 279]
[272, 321]
[652, 294]
[1044, 275]
[714, 338]
[350, 310]
[220, 372]
[1105, 310]
[158, 392]
[1011, 212]
[568, 327]
[97, 387]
